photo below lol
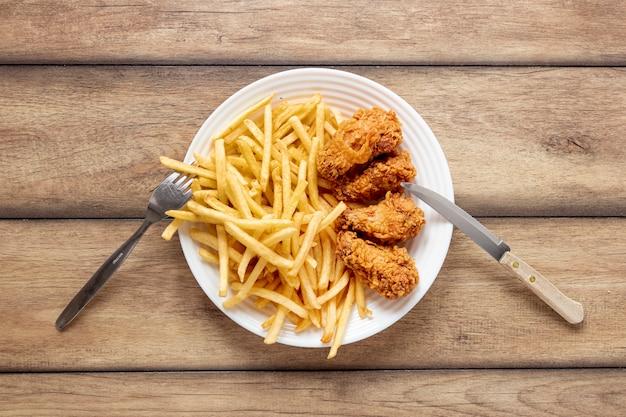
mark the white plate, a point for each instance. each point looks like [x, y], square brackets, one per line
[347, 93]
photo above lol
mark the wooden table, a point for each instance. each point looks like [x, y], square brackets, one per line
[528, 101]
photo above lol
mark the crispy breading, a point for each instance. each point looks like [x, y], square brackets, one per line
[393, 220]
[389, 270]
[381, 175]
[358, 140]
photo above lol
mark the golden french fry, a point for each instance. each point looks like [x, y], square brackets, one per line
[200, 194]
[267, 148]
[329, 128]
[186, 168]
[301, 132]
[183, 215]
[214, 203]
[303, 325]
[307, 242]
[316, 318]
[255, 208]
[208, 183]
[263, 220]
[204, 162]
[220, 170]
[276, 297]
[294, 200]
[247, 256]
[240, 163]
[271, 286]
[250, 158]
[266, 224]
[195, 186]
[222, 250]
[280, 120]
[346, 308]
[171, 228]
[236, 122]
[312, 174]
[277, 207]
[281, 126]
[329, 320]
[235, 193]
[337, 287]
[244, 291]
[279, 318]
[274, 238]
[338, 117]
[308, 293]
[209, 256]
[285, 173]
[258, 247]
[277, 323]
[359, 295]
[332, 216]
[257, 133]
[327, 260]
[210, 240]
[206, 214]
[320, 120]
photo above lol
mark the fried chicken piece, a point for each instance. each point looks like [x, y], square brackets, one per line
[389, 270]
[382, 175]
[393, 220]
[358, 140]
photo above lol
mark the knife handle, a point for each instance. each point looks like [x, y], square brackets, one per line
[570, 310]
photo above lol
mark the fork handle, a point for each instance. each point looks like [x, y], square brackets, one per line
[100, 277]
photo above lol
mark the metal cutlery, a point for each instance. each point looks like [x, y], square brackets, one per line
[570, 310]
[171, 194]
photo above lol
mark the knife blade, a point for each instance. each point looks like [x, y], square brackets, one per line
[570, 310]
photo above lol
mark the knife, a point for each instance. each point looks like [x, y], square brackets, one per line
[570, 310]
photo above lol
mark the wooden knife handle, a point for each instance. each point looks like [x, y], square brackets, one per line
[570, 310]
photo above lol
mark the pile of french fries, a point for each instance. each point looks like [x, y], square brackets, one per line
[261, 214]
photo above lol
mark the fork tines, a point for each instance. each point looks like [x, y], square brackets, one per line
[183, 181]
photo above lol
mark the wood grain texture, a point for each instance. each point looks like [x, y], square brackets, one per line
[153, 316]
[399, 393]
[519, 141]
[571, 310]
[537, 32]
[526, 98]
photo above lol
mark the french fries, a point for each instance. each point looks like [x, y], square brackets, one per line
[258, 214]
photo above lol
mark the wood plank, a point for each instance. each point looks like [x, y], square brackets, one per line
[554, 133]
[153, 316]
[538, 32]
[562, 392]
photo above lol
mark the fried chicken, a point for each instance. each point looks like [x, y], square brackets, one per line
[363, 164]
[393, 220]
[389, 270]
[358, 140]
[382, 175]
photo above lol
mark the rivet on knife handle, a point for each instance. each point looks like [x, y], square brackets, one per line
[570, 310]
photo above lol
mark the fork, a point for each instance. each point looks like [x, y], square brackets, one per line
[171, 194]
